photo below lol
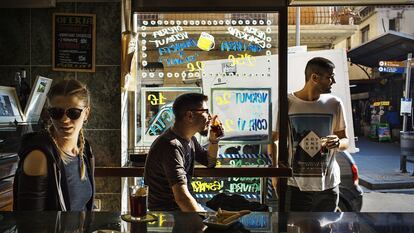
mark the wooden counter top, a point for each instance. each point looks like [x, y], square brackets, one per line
[281, 171]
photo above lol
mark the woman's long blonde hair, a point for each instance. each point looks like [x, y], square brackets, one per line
[70, 87]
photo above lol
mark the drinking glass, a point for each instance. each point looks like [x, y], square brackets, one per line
[138, 201]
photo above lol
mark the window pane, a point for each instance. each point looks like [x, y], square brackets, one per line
[234, 53]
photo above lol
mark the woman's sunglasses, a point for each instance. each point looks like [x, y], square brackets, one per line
[57, 113]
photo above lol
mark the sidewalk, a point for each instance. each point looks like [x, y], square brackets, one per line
[379, 164]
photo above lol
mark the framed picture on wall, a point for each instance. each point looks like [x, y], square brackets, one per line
[10, 109]
[37, 99]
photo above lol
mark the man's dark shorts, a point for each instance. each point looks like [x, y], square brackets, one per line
[314, 201]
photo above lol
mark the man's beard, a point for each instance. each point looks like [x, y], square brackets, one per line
[204, 133]
[327, 91]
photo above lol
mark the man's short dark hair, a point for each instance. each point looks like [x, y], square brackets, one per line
[186, 102]
[318, 65]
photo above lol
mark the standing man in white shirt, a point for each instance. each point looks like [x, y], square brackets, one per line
[316, 132]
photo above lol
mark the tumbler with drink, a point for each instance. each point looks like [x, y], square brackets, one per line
[138, 200]
[217, 128]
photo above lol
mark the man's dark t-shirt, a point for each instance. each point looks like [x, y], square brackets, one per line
[170, 161]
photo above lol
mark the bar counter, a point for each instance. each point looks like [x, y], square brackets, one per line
[200, 171]
[265, 222]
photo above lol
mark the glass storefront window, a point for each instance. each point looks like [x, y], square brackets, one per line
[205, 50]
[230, 57]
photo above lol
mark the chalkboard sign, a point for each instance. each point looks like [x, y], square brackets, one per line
[74, 38]
[243, 111]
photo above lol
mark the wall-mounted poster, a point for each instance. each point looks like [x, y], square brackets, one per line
[10, 109]
[37, 99]
[74, 42]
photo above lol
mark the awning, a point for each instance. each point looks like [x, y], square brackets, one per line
[391, 46]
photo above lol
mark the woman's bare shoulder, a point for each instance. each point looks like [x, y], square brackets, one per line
[35, 164]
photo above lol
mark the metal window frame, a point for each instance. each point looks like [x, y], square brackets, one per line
[268, 6]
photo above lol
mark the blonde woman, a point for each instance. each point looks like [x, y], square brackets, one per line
[56, 166]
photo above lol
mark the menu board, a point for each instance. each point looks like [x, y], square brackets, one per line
[74, 37]
[243, 111]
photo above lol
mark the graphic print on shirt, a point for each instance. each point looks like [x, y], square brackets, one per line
[308, 157]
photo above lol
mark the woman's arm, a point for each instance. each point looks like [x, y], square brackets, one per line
[33, 182]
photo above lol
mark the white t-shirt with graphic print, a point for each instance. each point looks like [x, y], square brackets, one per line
[314, 168]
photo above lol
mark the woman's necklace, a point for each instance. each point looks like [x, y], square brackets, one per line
[68, 154]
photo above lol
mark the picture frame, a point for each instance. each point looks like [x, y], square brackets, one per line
[37, 99]
[10, 109]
